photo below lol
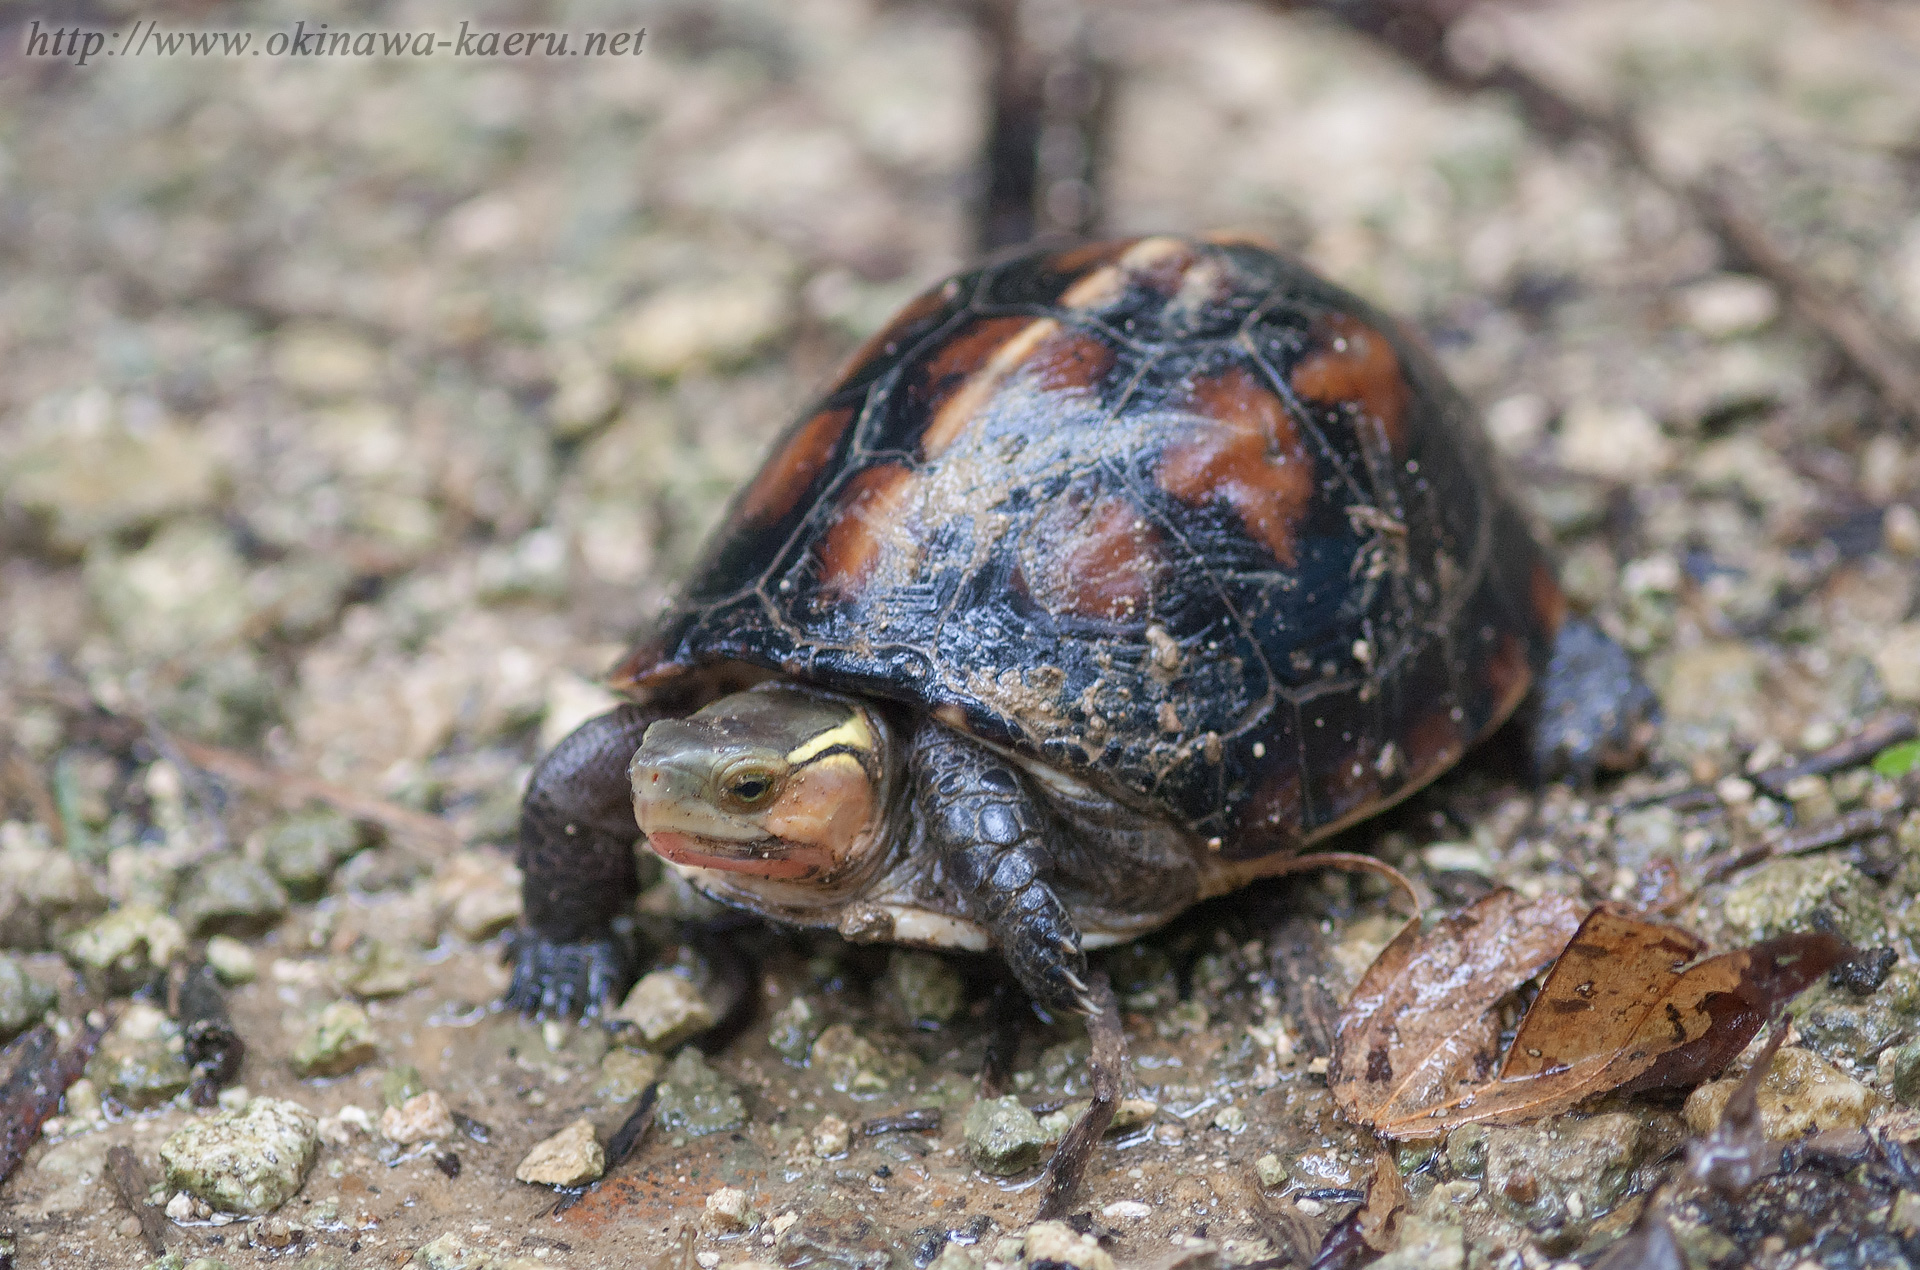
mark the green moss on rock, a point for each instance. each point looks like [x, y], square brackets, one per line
[249, 1161]
[696, 1100]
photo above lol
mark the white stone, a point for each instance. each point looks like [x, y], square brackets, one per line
[1901, 529]
[831, 1137]
[1618, 442]
[421, 1118]
[571, 1157]
[728, 1211]
[708, 323]
[667, 1008]
[1057, 1241]
[1728, 304]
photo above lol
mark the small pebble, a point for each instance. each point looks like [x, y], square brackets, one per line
[275, 1232]
[122, 950]
[479, 891]
[1901, 529]
[184, 1208]
[728, 1211]
[1003, 1137]
[231, 895]
[303, 850]
[792, 1029]
[1057, 1242]
[232, 960]
[625, 1074]
[340, 1040]
[571, 1157]
[831, 1137]
[1734, 791]
[694, 1099]
[422, 1118]
[22, 999]
[667, 1008]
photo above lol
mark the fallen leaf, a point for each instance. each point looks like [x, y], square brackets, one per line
[1616, 967]
[1738, 1153]
[1648, 1245]
[1421, 1020]
[1625, 1007]
[1386, 1200]
[1370, 1231]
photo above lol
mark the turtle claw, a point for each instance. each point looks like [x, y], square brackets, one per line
[556, 980]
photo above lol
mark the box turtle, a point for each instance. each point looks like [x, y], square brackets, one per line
[1101, 581]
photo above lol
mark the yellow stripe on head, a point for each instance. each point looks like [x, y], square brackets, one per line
[854, 734]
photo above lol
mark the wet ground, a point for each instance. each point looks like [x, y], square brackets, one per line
[356, 411]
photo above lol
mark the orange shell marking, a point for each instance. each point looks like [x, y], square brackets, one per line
[791, 473]
[870, 512]
[1356, 363]
[1246, 450]
[1097, 560]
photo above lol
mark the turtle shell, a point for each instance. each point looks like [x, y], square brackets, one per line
[1176, 517]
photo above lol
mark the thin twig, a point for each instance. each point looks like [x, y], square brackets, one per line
[1824, 836]
[1039, 169]
[1419, 31]
[130, 1184]
[1107, 1063]
[292, 788]
[33, 1090]
[1849, 752]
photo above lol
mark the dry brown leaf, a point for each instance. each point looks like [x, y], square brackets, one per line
[1386, 1200]
[1616, 968]
[1421, 1021]
[1621, 1009]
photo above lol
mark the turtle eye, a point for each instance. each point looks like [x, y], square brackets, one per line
[748, 787]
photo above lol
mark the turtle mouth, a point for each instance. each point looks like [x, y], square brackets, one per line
[760, 857]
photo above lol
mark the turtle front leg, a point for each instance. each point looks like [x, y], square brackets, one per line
[993, 838]
[1595, 713]
[578, 869]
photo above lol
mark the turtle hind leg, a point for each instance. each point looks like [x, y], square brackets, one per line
[993, 835]
[1594, 712]
[579, 875]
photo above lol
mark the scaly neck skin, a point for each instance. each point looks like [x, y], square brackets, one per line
[783, 798]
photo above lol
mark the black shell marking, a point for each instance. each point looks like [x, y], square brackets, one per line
[1175, 516]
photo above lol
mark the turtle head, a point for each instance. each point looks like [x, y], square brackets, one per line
[782, 787]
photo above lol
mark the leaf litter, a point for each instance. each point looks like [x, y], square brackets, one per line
[1627, 1005]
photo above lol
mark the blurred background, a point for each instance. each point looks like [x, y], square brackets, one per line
[356, 411]
[359, 407]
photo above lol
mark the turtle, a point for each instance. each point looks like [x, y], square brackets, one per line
[1104, 579]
